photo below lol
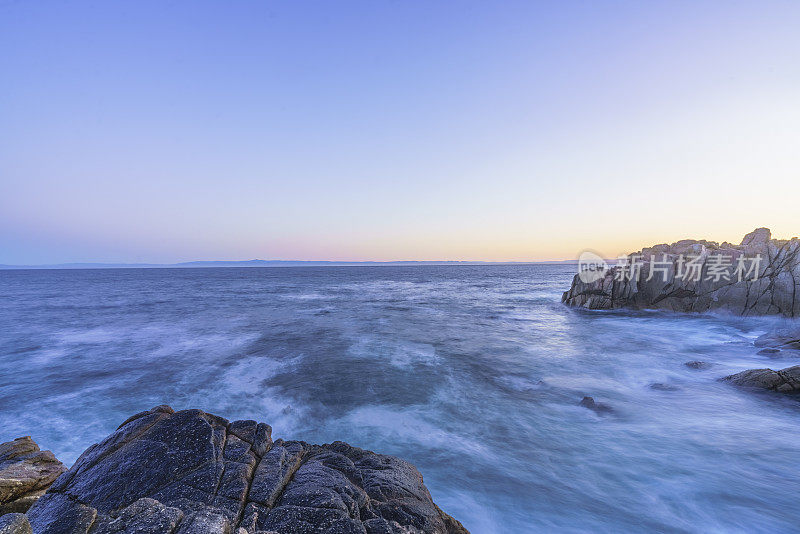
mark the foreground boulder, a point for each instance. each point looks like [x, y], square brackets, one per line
[25, 474]
[720, 277]
[784, 381]
[191, 472]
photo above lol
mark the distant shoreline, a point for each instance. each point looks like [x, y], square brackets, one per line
[272, 263]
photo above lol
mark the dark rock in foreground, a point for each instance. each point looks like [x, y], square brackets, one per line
[191, 472]
[784, 381]
[664, 280]
[25, 474]
[14, 523]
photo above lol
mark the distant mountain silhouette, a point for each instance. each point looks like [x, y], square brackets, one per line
[263, 263]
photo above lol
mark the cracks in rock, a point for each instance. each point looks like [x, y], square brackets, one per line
[180, 478]
[221, 460]
[75, 499]
[765, 291]
[113, 449]
[284, 483]
[787, 379]
[201, 489]
[289, 477]
[246, 500]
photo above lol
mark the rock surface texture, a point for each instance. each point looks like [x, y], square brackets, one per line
[784, 381]
[771, 289]
[25, 474]
[190, 472]
[15, 523]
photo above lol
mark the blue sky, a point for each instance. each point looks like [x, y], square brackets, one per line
[172, 131]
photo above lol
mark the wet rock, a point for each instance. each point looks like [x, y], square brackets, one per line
[698, 365]
[15, 523]
[25, 474]
[143, 516]
[769, 352]
[787, 337]
[598, 407]
[783, 381]
[771, 289]
[191, 472]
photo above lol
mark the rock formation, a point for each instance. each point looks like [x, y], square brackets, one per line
[784, 381]
[191, 472]
[697, 276]
[25, 474]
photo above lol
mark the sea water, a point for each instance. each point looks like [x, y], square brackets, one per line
[472, 373]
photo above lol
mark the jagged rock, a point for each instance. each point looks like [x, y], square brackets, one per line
[784, 381]
[598, 407]
[191, 472]
[756, 238]
[144, 516]
[15, 523]
[25, 474]
[772, 289]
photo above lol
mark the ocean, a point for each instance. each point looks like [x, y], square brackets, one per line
[472, 373]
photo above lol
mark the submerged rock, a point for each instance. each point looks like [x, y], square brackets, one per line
[193, 472]
[784, 381]
[661, 386]
[659, 277]
[769, 352]
[598, 407]
[698, 365]
[25, 474]
[781, 338]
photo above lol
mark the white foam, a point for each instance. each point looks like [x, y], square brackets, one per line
[410, 425]
[397, 352]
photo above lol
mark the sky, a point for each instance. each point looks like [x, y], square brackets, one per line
[172, 131]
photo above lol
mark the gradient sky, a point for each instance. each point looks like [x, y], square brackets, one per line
[382, 130]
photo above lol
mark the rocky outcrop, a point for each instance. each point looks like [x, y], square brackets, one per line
[721, 277]
[192, 472]
[25, 474]
[784, 381]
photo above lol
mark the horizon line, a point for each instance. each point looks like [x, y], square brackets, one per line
[268, 263]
